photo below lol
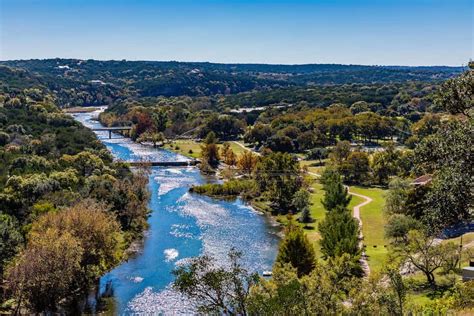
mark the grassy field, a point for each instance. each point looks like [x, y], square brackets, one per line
[312, 165]
[191, 148]
[373, 222]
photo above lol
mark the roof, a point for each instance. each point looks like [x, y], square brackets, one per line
[468, 268]
[423, 180]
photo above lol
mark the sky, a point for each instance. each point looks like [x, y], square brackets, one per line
[369, 32]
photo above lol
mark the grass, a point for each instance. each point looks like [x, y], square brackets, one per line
[192, 148]
[318, 213]
[373, 224]
[312, 165]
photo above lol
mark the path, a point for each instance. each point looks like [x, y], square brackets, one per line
[246, 148]
[356, 214]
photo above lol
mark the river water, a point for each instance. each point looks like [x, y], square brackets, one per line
[182, 226]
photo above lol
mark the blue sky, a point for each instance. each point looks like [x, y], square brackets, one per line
[383, 32]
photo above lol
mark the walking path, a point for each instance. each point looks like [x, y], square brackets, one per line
[356, 214]
[246, 148]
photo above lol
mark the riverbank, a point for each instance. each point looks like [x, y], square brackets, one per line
[181, 226]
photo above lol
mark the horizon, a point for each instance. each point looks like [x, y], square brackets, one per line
[348, 32]
[464, 65]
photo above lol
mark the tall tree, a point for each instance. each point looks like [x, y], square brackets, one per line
[339, 234]
[278, 175]
[296, 250]
[210, 151]
[456, 95]
[301, 203]
[335, 194]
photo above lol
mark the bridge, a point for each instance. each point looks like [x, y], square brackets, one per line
[163, 163]
[112, 129]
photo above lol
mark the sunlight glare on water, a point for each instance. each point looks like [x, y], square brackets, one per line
[182, 226]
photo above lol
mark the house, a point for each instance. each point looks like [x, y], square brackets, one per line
[468, 273]
[423, 180]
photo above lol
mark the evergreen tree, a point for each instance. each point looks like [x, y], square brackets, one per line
[296, 249]
[335, 195]
[339, 234]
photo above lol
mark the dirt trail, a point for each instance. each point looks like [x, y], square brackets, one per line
[356, 214]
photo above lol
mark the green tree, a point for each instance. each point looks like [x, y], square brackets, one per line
[398, 226]
[296, 250]
[278, 175]
[153, 137]
[10, 239]
[448, 156]
[339, 234]
[210, 151]
[216, 290]
[335, 194]
[302, 203]
[425, 254]
[356, 168]
[456, 95]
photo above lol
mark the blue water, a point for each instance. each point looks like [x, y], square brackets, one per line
[182, 226]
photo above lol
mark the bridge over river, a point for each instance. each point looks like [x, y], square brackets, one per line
[112, 129]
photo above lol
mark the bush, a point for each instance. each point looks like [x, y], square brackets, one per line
[229, 188]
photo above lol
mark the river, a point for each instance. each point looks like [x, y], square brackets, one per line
[182, 226]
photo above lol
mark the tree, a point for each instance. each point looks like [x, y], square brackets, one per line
[456, 95]
[45, 271]
[296, 250]
[301, 203]
[278, 175]
[356, 168]
[280, 143]
[247, 162]
[340, 152]
[339, 234]
[96, 231]
[448, 156]
[319, 153]
[398, 287]
[259, 133]
[216, 290]
[10, 239]
[399, 225]
[210, 151]
[397, 195]
[384, 164]
[153, 137]
[335, 194]
[306, 140]
[359, 107]
[425, 254]
[160, 119]
[228, 155]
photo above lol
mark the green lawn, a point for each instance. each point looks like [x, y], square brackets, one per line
[313, 165]
[373, 224]
[191, 148]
